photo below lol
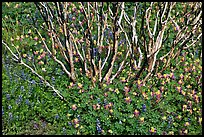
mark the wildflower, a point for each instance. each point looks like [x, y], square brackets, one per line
[163, 82]
[158, 94]
[144, 108]
[193, 92]
[171, 133]
[97, 121]
[110, 131]
[56, 116]
[164, 117]
[184, 107]
[36, 52]
[110, 89]
[76, 126]
[188, 86]
[94, 79]
[120, 122]
[187, 124]
[54, 94]
[159, 75]
[17, 38]
[123, 79]
[152, 130]
[9, 107]
[105, 94]
[126, 89]
[152, 94]
[166, 75]
[98, 128]
[41, 62]
[24, 55]
[200, 120]
[186, 70]
[142, 119]
[162, 88]
[134, 93]
[73, 18]
[75, 121]
[43, 69]
[69, 123]
[181, 76]
[74, 107]
[127, 99]
[111, 111]
[76, 59]
[20, 97]
[42, 55]
[169, 120]
[79, 85]
[71, 84]
[179, 117]
[180, 82]
[183, 92]
[185, 131]
[91, 97]
[35, 38]
[182, 59]
[136, 113]
[145, 95]
[35, 126]
[139, 83]
[196, 98]
[33, 82]
[27, 102]
[22, 88]
[94, 107]
[81, 91]
[178, 89]
[171, 75]
[8, 96]
[104, 85]
[98, 106]
[68, 115]
[53, 79]
[98, 99]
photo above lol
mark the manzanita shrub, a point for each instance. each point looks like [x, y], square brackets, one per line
[102, 68]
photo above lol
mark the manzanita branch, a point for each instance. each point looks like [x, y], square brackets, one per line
[34, 72]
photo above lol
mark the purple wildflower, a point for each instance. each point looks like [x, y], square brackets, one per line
[143, 108]
[33, 82]
[69, 123]
[57, 116]
[27, 102]
[8, 96]
[9, 107]
[35, 126]
[22, 88]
